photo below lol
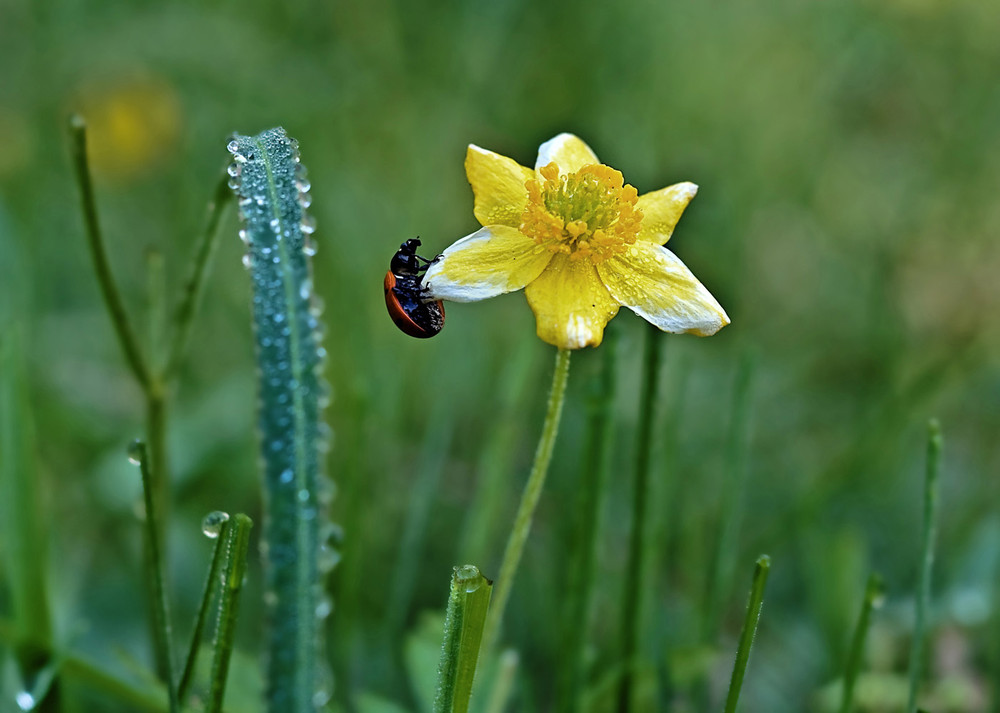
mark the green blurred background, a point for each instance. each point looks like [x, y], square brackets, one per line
[847, 155]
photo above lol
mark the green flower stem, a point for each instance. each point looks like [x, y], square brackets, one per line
[463, 630]
[161, 611]
[634, 576]
[206, 599]
[156, 298]
[590, 497]
[874, 593]
[109, 289]
[195, 285]
[529, 501]
[237, 541]
[754, 606]
[927, 561]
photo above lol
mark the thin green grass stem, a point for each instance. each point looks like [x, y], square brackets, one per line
[634, 573]
[194, 287]
[726, 540]
[202, 616]
[156, 305]
[874, 593]
[503, 684]
[405, 574]
[237, 543]
[95, 241]
[590, 500]
[919, 644]
[465, 617]
[529, 501]
[754, 606]
[22, 519]
[161, 610]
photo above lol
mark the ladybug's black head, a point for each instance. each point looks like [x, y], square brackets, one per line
[405, 261]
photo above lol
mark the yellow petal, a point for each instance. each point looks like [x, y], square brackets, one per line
[662, 209]
[490, 262]
[498, 185]
[568, 152]
[653, 282]
[570, 303]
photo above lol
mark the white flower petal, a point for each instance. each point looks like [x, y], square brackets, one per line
[491, 261]
[567, 151]
[653, 282]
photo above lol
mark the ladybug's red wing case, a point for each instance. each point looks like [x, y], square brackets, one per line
[403, 295]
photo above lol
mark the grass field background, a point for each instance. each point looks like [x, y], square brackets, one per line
[847, 221]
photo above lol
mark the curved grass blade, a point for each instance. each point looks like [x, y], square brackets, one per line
[754, 606]
[463, 634]
[272, 188]
[237, 541]
[874, 595]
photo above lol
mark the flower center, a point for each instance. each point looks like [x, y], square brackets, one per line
[588, 214]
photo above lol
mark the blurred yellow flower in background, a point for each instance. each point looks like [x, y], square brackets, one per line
[580, 241]
[133, 124]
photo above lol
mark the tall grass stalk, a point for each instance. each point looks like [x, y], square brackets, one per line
[153, 378]
[22, 519]
[926, 562]
[874, 593]
[529, 501]
[634, 574]
[725, 554]
[272, 186]
[754, 605]
[590, 497]
[139, 455]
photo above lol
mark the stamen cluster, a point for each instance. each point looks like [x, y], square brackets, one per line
[588, 214]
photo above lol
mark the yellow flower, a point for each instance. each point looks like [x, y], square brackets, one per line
[580, 241]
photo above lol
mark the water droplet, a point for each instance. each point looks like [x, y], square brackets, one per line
[247, 261]
[275, 225]
[305, 288]
[212, 524]
[303, 495]
[303, 185]
[135, 452]
[308, 224]
[309, 247]
[468, 576]
[232, 146]
[233, 169]
[270, 597]
[294, 144]
[25, 701]
[244, 236]
[324, 607]
[233, 183]
[305, 199]
[286, 476]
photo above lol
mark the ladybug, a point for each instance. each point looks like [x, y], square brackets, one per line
[404, 293]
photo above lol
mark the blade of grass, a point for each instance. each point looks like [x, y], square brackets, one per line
[22, 517]
[927, 561]
[195, 285]
[634, 575]
[874, 594]
[503, 684]
[754, 605]
[161, 611]
[590, 498]
[464, 621]
[237, 543]
[156, 303]
[725, 554]
[221, 537]
[95, 241]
